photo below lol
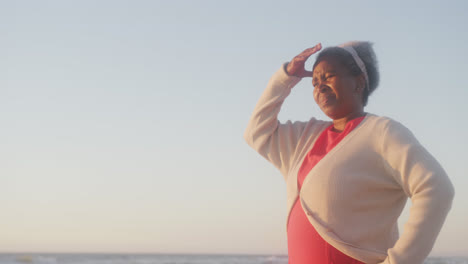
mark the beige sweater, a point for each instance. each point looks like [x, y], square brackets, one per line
[355, 194]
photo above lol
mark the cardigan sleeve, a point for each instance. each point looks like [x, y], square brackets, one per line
[271, 139]
[427, 185]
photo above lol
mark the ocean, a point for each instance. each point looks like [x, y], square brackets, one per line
[168, 259]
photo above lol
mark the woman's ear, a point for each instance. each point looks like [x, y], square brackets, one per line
[361, 83]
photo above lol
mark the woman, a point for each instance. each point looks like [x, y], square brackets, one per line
[348, 180]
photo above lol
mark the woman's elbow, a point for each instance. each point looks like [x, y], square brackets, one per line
[445, 192]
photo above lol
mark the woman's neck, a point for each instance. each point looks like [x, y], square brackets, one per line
[340, 123]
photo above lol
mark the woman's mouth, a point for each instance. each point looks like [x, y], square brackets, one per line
[327, 99]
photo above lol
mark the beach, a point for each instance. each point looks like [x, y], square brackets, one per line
[19, 258]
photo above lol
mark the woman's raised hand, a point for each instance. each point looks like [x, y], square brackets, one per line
[296, 67]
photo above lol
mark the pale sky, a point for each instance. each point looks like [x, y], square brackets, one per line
[121, 122]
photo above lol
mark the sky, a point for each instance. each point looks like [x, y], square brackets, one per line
[121, 122]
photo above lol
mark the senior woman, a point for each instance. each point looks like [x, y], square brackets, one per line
[348, 180]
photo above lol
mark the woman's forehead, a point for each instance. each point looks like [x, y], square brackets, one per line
[327, 65]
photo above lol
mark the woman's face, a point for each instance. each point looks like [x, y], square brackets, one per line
[336, 91]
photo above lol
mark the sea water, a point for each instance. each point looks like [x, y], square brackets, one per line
[168, 259]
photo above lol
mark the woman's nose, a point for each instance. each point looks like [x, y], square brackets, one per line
[322, 88]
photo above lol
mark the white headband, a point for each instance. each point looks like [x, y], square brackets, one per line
[358, 61]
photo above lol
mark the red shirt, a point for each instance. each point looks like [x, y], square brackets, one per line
[305, 245]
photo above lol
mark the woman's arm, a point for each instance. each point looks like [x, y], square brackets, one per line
[426, 183]
[274, 141]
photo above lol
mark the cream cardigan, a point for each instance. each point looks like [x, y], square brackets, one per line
[355, 194]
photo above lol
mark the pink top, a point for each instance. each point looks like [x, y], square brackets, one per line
[305, 245]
